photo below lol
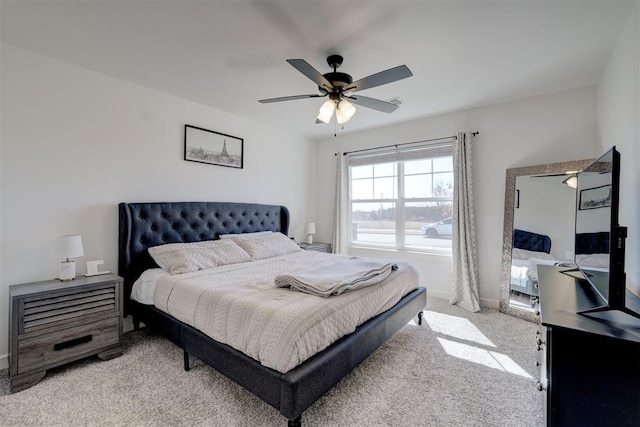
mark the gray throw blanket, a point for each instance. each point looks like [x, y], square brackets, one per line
[345, 275]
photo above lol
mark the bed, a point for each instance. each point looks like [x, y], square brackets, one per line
[145, 225]
[529, 250]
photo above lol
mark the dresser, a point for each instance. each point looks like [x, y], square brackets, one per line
[52, 323]
[589, 365]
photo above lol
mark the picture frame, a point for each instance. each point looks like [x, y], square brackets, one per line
[595, 198]
[213, 148]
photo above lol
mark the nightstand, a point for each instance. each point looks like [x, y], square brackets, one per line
[52, 323]
[316, 246]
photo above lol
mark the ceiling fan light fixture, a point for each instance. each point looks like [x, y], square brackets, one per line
[341, 118]
[323, 118]
[347, 109]
[571, 181]
[326, 110]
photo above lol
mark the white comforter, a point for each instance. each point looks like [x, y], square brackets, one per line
[241, 306]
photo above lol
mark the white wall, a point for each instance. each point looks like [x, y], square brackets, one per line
[545, 129]
[619, 118]
[75, 143]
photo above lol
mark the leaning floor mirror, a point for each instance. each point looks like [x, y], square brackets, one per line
[538, 229]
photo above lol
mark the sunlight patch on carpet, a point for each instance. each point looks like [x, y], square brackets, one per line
[481, 356]
[456, 327]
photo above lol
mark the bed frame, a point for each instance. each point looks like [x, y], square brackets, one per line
[143, 225]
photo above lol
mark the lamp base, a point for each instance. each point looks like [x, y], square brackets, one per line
[67, 270]
[309, 239]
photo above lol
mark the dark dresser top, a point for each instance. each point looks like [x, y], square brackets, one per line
[562, 296]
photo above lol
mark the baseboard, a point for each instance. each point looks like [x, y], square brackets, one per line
[484, 302]
[4, 361]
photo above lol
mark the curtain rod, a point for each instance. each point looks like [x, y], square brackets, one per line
[404, 143]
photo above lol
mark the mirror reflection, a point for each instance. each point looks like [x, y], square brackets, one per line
[542, 232]
[540, 203]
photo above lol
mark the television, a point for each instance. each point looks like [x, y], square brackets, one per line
[599, 240]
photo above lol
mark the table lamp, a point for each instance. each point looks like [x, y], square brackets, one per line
[310, 229]
[69, 247]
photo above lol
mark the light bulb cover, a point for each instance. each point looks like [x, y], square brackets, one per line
[340, 117]
[571, 181]
[326, 109]
[347, 109]
[323, 118]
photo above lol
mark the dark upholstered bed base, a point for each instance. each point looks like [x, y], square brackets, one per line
[295, 391]
[143, 225]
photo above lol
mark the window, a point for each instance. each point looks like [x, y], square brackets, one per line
[402, 198]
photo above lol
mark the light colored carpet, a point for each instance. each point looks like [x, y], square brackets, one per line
[457, 369]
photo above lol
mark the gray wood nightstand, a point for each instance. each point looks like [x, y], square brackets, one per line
[316, 246]
[52, 323]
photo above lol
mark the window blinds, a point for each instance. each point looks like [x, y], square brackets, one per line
[397, 153]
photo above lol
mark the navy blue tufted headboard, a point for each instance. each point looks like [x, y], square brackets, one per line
[592, 243]
[531, 241]
[143, 225]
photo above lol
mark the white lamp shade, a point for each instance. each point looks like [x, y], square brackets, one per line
[340, 117]
[70, 246]
[572, 181]
[310, 228]
[347, 109]
[323, 118]
[326, 110]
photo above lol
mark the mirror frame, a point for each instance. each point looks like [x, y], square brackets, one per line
[507, 231]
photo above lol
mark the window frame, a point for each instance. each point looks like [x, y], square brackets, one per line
[399, 200]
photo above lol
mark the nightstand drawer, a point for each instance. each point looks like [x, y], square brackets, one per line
[49, 349]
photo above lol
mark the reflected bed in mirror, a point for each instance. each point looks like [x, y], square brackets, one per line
[544, 218]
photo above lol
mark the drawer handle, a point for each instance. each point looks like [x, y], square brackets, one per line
[72, 343]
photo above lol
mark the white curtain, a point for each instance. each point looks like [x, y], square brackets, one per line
[340, 210]
[464, 245]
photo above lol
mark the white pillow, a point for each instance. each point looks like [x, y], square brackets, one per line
[178, 258]
[267, 245]
[142, 290]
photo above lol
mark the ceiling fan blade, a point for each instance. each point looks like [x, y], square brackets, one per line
[305, 68]
[289, 98]
[376, 104]
[381, 78]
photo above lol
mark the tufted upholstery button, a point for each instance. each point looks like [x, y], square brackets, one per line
[183, 215]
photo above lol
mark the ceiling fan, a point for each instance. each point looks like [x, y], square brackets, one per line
[339, 87]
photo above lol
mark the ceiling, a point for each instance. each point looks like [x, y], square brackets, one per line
[228, 54]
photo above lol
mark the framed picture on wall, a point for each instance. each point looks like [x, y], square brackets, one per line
[594, 198]
[214, 148]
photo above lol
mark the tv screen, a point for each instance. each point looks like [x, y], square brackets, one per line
[599, 239]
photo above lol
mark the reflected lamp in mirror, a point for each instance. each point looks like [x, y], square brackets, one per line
[571, 181]
[310, 230]
[69, 246]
